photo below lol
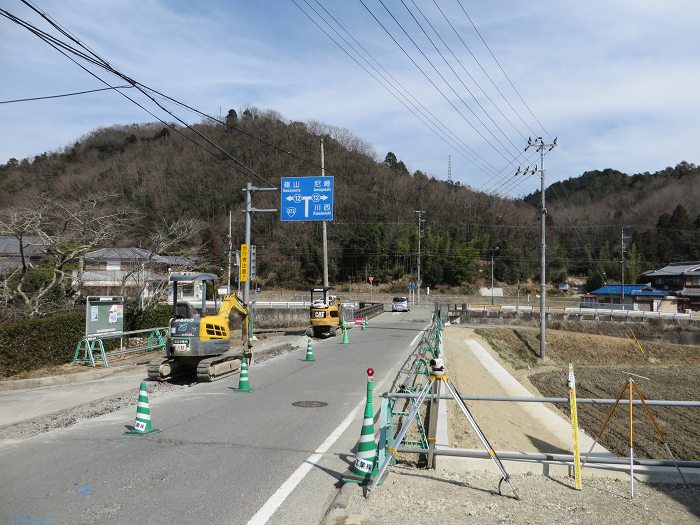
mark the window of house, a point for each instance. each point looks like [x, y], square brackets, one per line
[696, 281]
[113, 265]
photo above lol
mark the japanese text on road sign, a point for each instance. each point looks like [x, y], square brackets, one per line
[307, 199]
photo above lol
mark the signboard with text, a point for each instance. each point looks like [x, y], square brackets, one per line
[243, 269]
[104, 315]
[306, 199]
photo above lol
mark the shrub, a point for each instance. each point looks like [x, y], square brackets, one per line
[36, 342]
[33, 343]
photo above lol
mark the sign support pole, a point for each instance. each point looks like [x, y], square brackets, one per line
[249, 210]
[325, 228]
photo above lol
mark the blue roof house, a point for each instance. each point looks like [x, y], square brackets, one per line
[632, 297]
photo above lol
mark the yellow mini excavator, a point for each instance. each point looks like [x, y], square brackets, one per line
[198, 341]
[325, 314]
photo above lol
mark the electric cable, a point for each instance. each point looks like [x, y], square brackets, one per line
[62, 95]
[464, 117]
[503, 70]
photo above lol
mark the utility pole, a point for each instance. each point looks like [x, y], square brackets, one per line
[541, 147]
[493, 252]
[420, 234]
[230, 246]
[622, 263]
[325, 231]
[249, 210]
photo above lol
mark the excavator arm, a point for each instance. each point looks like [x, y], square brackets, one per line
[232, 302]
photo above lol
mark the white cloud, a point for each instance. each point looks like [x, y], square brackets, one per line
[616, 81]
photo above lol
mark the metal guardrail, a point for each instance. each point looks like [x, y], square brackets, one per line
[370, 310]
[426, 445]
[580, 400]
[282, 304]
[455, 309]
[94, 343]
[550, 458]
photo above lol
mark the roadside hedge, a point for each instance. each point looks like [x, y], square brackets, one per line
[36, 342]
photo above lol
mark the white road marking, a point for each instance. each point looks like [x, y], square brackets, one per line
[415, 339]
[271, 505]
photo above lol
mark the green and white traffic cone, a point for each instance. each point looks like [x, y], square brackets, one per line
[345, 336]
[364, 324]
[142, 424]
[309, 352]
[243, 383]
[365, 466]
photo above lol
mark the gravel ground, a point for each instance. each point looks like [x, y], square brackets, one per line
[417, 496]
[429, 497]
[71, 416]
[276, 345]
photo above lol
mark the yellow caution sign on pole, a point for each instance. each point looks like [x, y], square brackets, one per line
[243, 270]
[574, 426]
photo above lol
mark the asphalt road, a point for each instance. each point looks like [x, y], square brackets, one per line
[222, 456]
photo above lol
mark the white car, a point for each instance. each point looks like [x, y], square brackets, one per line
[399, 304]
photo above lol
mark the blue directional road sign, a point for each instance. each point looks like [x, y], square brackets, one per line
[307, 199]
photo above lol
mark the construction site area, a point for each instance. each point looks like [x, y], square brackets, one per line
[501, 362]
[505, 454]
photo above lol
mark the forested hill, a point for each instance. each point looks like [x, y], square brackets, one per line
[660, 213]
[161, 176]
[596, 188]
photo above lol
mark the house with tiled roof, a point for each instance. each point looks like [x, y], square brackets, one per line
[679, 279]
[638, 297]
[129, 271]
[11, 251]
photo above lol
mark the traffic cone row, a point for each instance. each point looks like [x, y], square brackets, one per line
[365, 465]
[142, 424]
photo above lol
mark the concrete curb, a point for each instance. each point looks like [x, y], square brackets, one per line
[336, 510]
[117, 369]
[76, 377]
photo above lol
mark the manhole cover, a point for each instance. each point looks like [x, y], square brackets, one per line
[309, 404]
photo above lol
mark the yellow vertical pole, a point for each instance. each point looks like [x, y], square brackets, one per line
[574, 427]
[631, 382]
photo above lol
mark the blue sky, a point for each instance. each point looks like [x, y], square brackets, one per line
[617, 81]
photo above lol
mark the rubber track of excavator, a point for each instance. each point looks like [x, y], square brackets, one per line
[204, 368]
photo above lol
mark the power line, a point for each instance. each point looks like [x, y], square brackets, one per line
[502, 70]
[99, 61]
[396, 89]
[464, 117]
[460, 79]
[483, 69]
[63, 95]
[454, 56]
[469, 153]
